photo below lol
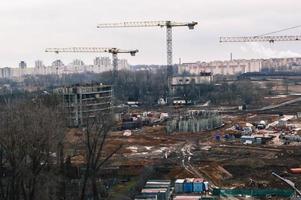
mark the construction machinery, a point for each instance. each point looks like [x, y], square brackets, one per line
[113, 51]
[168, 24]
[264, 38]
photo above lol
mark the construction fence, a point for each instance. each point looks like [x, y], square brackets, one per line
[253, 192]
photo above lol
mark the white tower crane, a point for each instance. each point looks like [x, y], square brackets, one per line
[168, 24]
[267, 37]
[264, 38]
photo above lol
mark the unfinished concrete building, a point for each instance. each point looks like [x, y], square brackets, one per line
[195, 121]
[85, 101]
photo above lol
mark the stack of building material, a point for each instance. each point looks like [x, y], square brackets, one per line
[146, 197]
[161, 193]
[156, 189]
[186, 197]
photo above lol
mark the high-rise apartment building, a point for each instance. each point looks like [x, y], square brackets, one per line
[6, 72]
[102, 64]
[22, 65]
[77, 62]
[38, 64]
[123, 64]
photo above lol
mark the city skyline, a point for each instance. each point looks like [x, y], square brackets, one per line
[30, 26]
[75, 61]
[103, 64]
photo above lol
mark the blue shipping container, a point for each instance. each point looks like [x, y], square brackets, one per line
[198, 186]
[188, 186]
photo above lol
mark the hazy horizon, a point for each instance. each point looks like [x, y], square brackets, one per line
[30, 26]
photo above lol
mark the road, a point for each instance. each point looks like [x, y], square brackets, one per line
[280, 105]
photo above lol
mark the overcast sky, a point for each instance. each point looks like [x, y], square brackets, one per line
[27, 27]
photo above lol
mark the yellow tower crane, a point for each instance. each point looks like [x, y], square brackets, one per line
[168, 24]
[113, 51]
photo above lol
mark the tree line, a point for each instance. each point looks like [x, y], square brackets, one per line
[148, 87]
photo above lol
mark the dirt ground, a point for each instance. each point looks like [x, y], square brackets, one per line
[224, 164]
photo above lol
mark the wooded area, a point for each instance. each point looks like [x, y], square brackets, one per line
[147, 87]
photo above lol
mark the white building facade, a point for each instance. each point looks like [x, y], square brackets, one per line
[222, 67]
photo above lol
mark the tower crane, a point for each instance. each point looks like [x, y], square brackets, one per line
[267, 37]
[168, 24]
[264, 38]
[113, 51]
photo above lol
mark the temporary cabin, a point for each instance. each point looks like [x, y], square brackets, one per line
[198, 185]
[179, 185]
[188, 185]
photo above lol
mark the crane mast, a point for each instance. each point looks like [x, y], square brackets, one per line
[168, 24]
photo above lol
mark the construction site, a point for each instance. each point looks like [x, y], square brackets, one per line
[183, 150]
[150, 100]
[236, 152]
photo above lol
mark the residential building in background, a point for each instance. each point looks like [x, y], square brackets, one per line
[22, 68]
[77, 66]
[151, 68]
[22, 65]
[123, 64]
[77, 63]
[203, 77]
[38, 64]
[221, 67]
[282, 64]
[179, 81]
[6, 72]
[39, 68]
[102, 64]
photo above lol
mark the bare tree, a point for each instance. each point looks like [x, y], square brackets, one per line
[29, 137]
[95, 135]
